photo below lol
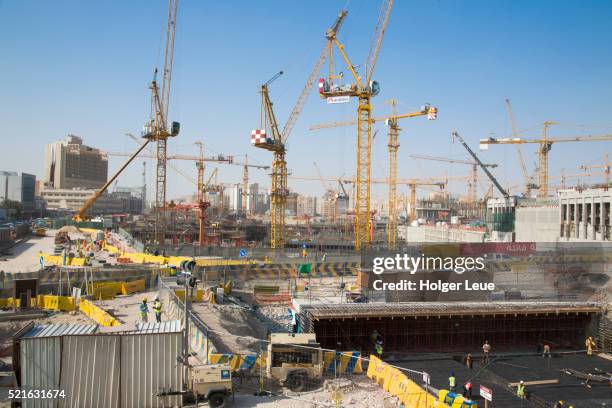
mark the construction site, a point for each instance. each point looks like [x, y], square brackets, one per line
[443, 290]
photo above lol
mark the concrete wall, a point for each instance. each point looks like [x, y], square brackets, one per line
[537, 224]
[435, 234]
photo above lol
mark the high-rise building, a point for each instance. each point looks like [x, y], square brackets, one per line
[18, 187]
[253, 199]
[291, 204]
[233, 195]
[71, 164]
[306, 206]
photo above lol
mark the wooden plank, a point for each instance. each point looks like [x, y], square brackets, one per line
[538, 382]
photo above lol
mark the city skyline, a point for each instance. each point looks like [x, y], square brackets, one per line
[437, 53]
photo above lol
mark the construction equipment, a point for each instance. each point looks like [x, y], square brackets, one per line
[484, 168]
[157, 128]
[605, 166]
[212, 383]
[392, 122]
[545, 145]
[294, 359]
[529, 184]
[472, 182]
[364, 88]
[276, 143]
[80, 215]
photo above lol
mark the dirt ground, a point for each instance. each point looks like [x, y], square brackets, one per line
[363, 393]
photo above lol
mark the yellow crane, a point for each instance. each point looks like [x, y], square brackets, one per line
[605, 166]
[528, 184]
[269, 137]
[364, 88]
[157, 129]
[393, 145]
[472, 181]
[545, 144]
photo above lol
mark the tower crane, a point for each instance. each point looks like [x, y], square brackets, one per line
[364, 88]
[545, 144]
[473, 181]
[392, 122]
[157, 128]
[605, 166]
[527, 180]
[275, 141]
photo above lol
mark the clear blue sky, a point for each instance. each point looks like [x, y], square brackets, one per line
[84, 68]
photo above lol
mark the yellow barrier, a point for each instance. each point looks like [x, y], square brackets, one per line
[104, 292]
[8, 303]
[196, 297]
[396, 383]
[50, 302]
[59, 260]
[132, 287]
[97, 314]
[116, 287]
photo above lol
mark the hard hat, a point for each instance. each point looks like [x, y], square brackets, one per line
[144, 299]
[156, 298]
[522, 381]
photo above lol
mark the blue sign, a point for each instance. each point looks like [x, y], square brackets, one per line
[242, 253]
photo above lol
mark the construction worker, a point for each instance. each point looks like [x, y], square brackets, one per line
[144, 311]
[486, 349]
[520, 390]
[590, 345]
[558, 404]
[469, 361]
[452, 381]
[546, 352]
[378, 348]
[157, 309]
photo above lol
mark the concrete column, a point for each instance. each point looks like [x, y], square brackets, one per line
[592, 232]
[583, 235]
[602, 218]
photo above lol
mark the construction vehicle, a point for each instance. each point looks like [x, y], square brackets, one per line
[270, 138]
[212, 383]
[484, 168]
[364, 88]
[294, 359]
[545, 145]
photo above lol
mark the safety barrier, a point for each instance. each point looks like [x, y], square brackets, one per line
[97, 314]
[346, 362]
[396, 383]
[132, 287]
[9, 303]
[333, 362]
[50, 302]
[198, 296]
[238, 362]
[59, 260]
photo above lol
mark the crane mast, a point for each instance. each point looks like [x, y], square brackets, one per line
[519, 152]
[157, 128]
[363, 89]
[276, 143]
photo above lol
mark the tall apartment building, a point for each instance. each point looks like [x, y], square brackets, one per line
[71, 164]
[306, 206]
